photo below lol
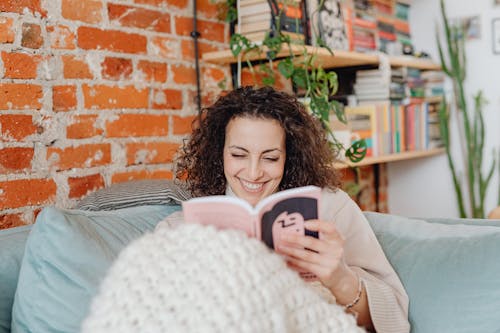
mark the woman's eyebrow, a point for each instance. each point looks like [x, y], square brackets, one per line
[270, 150]
[264, 152]
[238, 147]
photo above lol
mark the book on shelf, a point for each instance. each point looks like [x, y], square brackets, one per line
[435, 138]
[383, 7]
[401, 24]
[331, 24]
[423, 126]
[396, 126]
[380, 84]
[258, 8]
[262, 25]
[260, 35]
[386, 34]
[401, 10]
[245, 3]
[256, 19]
[433, 83]
[291, 24]
[280, 213]
[362, 121]
[246, 19]
[263, 8]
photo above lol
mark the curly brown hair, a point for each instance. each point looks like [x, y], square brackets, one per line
[309, 157]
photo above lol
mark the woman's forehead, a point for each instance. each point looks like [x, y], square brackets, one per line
[255, 132]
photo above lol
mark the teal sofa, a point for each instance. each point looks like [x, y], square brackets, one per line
[50, 271]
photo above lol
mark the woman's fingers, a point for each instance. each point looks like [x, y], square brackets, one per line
[312, 253]
[301, 253]
[301, 241]
[326, 230]
[300, 265]
[327, 233]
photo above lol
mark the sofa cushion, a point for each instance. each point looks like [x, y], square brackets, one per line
[136, 193]
[12, 242]
[67, 255]
[450, 271]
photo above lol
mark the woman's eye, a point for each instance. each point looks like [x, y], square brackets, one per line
[271, 159]
[237, 155]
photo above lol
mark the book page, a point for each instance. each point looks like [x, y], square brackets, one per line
[221, 211]
[286, 211]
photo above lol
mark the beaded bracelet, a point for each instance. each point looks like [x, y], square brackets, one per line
[358, 296]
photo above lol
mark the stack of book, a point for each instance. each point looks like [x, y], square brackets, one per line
[377, 84]
[363, 124]
[433, 83]
[256, 19]
[415, 82]
[363, 27]
[390, 127]
[401, 24]
[386, 33]
[435, 139]
[397, 110]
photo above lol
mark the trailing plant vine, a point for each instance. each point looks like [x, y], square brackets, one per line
[315, 84]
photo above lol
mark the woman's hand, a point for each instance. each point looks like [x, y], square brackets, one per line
[323, 256]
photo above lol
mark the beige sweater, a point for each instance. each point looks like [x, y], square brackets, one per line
[387, 298]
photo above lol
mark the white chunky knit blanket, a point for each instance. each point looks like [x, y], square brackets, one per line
[196, 279]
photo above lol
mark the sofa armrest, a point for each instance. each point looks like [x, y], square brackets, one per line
[12, 244]
[450, 270]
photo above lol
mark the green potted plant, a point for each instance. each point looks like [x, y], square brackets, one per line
[471, 125]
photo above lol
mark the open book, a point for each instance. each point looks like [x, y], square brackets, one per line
[281, 212]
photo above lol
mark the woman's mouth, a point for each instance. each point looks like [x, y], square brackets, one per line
[251, 186]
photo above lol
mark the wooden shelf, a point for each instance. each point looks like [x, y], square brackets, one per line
[392, 158]
[341, 59]
[433, 99]
[324, 58]
[225, 57]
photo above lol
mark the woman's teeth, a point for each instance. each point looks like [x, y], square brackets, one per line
[251, 186]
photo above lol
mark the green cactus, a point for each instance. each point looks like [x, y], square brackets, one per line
[471, 125]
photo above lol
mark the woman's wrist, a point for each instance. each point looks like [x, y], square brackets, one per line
[356, 300]
[347, 289]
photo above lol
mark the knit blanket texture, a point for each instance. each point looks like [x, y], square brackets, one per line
[194, 278]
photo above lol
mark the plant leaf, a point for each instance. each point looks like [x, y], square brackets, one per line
[338, 108]
[285, 67]
[299, 77]
[237, 43]
[320, 107]
[267, 75]
[357, 151]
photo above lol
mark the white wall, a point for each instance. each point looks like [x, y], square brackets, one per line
[424, 187]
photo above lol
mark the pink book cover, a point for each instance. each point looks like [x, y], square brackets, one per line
[281, 212]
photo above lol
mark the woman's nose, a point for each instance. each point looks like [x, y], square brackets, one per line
[254, 170]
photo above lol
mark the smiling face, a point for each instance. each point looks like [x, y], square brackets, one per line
[254, 157]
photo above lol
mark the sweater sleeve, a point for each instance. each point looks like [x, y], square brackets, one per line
[387, 299]
[171, 221]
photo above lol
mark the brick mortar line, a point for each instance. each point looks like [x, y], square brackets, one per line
[83, 172]
[139, 85]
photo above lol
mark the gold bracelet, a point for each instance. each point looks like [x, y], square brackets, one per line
[358, 296]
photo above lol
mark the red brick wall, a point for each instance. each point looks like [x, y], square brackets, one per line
[94, 92]
[372, 182]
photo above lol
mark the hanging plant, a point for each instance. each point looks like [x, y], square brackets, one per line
[306, 75]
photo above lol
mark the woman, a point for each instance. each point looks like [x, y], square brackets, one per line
[253, 142]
